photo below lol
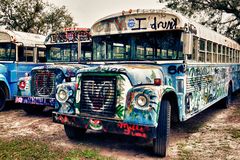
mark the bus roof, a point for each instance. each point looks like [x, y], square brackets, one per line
[150, 20]
[27, 39]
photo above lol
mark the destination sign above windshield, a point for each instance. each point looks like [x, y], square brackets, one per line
[69, 36]
[136, 23]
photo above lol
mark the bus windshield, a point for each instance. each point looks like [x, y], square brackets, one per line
[7, 52]
[67, 52]
[165, 45]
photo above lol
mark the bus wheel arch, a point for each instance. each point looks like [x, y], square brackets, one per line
[172, 98]
[4, 95]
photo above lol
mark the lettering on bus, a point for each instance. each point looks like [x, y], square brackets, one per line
[136, 24]
[175, 69]
[190, 28]
[139, 24]
[119, 23]
[171, 24]
[134, 130]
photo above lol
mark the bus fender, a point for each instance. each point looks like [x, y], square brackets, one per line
[169, 93]
[67, 103]
[148, 113]
[4, 82]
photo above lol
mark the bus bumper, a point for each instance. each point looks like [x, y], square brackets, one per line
[110, 126]
[36, 101]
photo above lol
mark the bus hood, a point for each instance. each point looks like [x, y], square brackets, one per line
[137, 73]
[68, 70]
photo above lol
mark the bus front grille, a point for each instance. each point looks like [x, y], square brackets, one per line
[43, 83]
[98, 95]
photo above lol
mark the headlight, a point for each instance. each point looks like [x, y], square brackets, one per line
[141, 100]
[62, 96]
[22, 85]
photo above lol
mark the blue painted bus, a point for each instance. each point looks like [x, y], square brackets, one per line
[158, 67]
[64, 50]
[18, 55]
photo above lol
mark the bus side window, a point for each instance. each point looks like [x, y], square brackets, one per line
[21, 54]
[220, 53]
[195, 48]
[227, 55]
[209, 51]
[215, 54]
[41, 55]
[25, 54]
[224, 54]
[201, 57]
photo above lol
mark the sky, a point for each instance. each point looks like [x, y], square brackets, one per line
[86, 12]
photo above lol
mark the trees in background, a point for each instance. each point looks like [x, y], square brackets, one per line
[221, 15]
[34, 16]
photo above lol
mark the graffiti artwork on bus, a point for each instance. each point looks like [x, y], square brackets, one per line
[136, 23]
[206, 84]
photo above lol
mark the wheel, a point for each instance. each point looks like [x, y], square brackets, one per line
[2, 99]
[74, 132]
[32, 109]
[225, 103]
[160, 143]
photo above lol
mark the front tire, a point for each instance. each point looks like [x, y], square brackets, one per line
[2, 99]
[33, 109]
[160, 143]
[74, 133]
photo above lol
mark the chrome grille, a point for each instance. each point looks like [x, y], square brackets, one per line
[98, 95]
[43, 83]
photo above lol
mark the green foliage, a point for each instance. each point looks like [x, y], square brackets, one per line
[222, 16]
[85, 154]
[25, 149]
[34, 16]
[120, 110]
[28, 149]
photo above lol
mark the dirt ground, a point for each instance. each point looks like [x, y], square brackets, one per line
[213, 134]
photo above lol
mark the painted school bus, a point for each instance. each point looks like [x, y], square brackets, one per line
[64, 50]
[158, 67]
[18, 54]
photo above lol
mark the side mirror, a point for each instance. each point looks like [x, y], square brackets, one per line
[187, 39]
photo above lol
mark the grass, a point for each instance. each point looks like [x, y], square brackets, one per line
[184, 153]
[235, 133]
[27, 149]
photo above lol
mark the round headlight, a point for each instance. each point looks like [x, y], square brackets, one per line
[62, 95]
[22, 85]
[142, 100]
